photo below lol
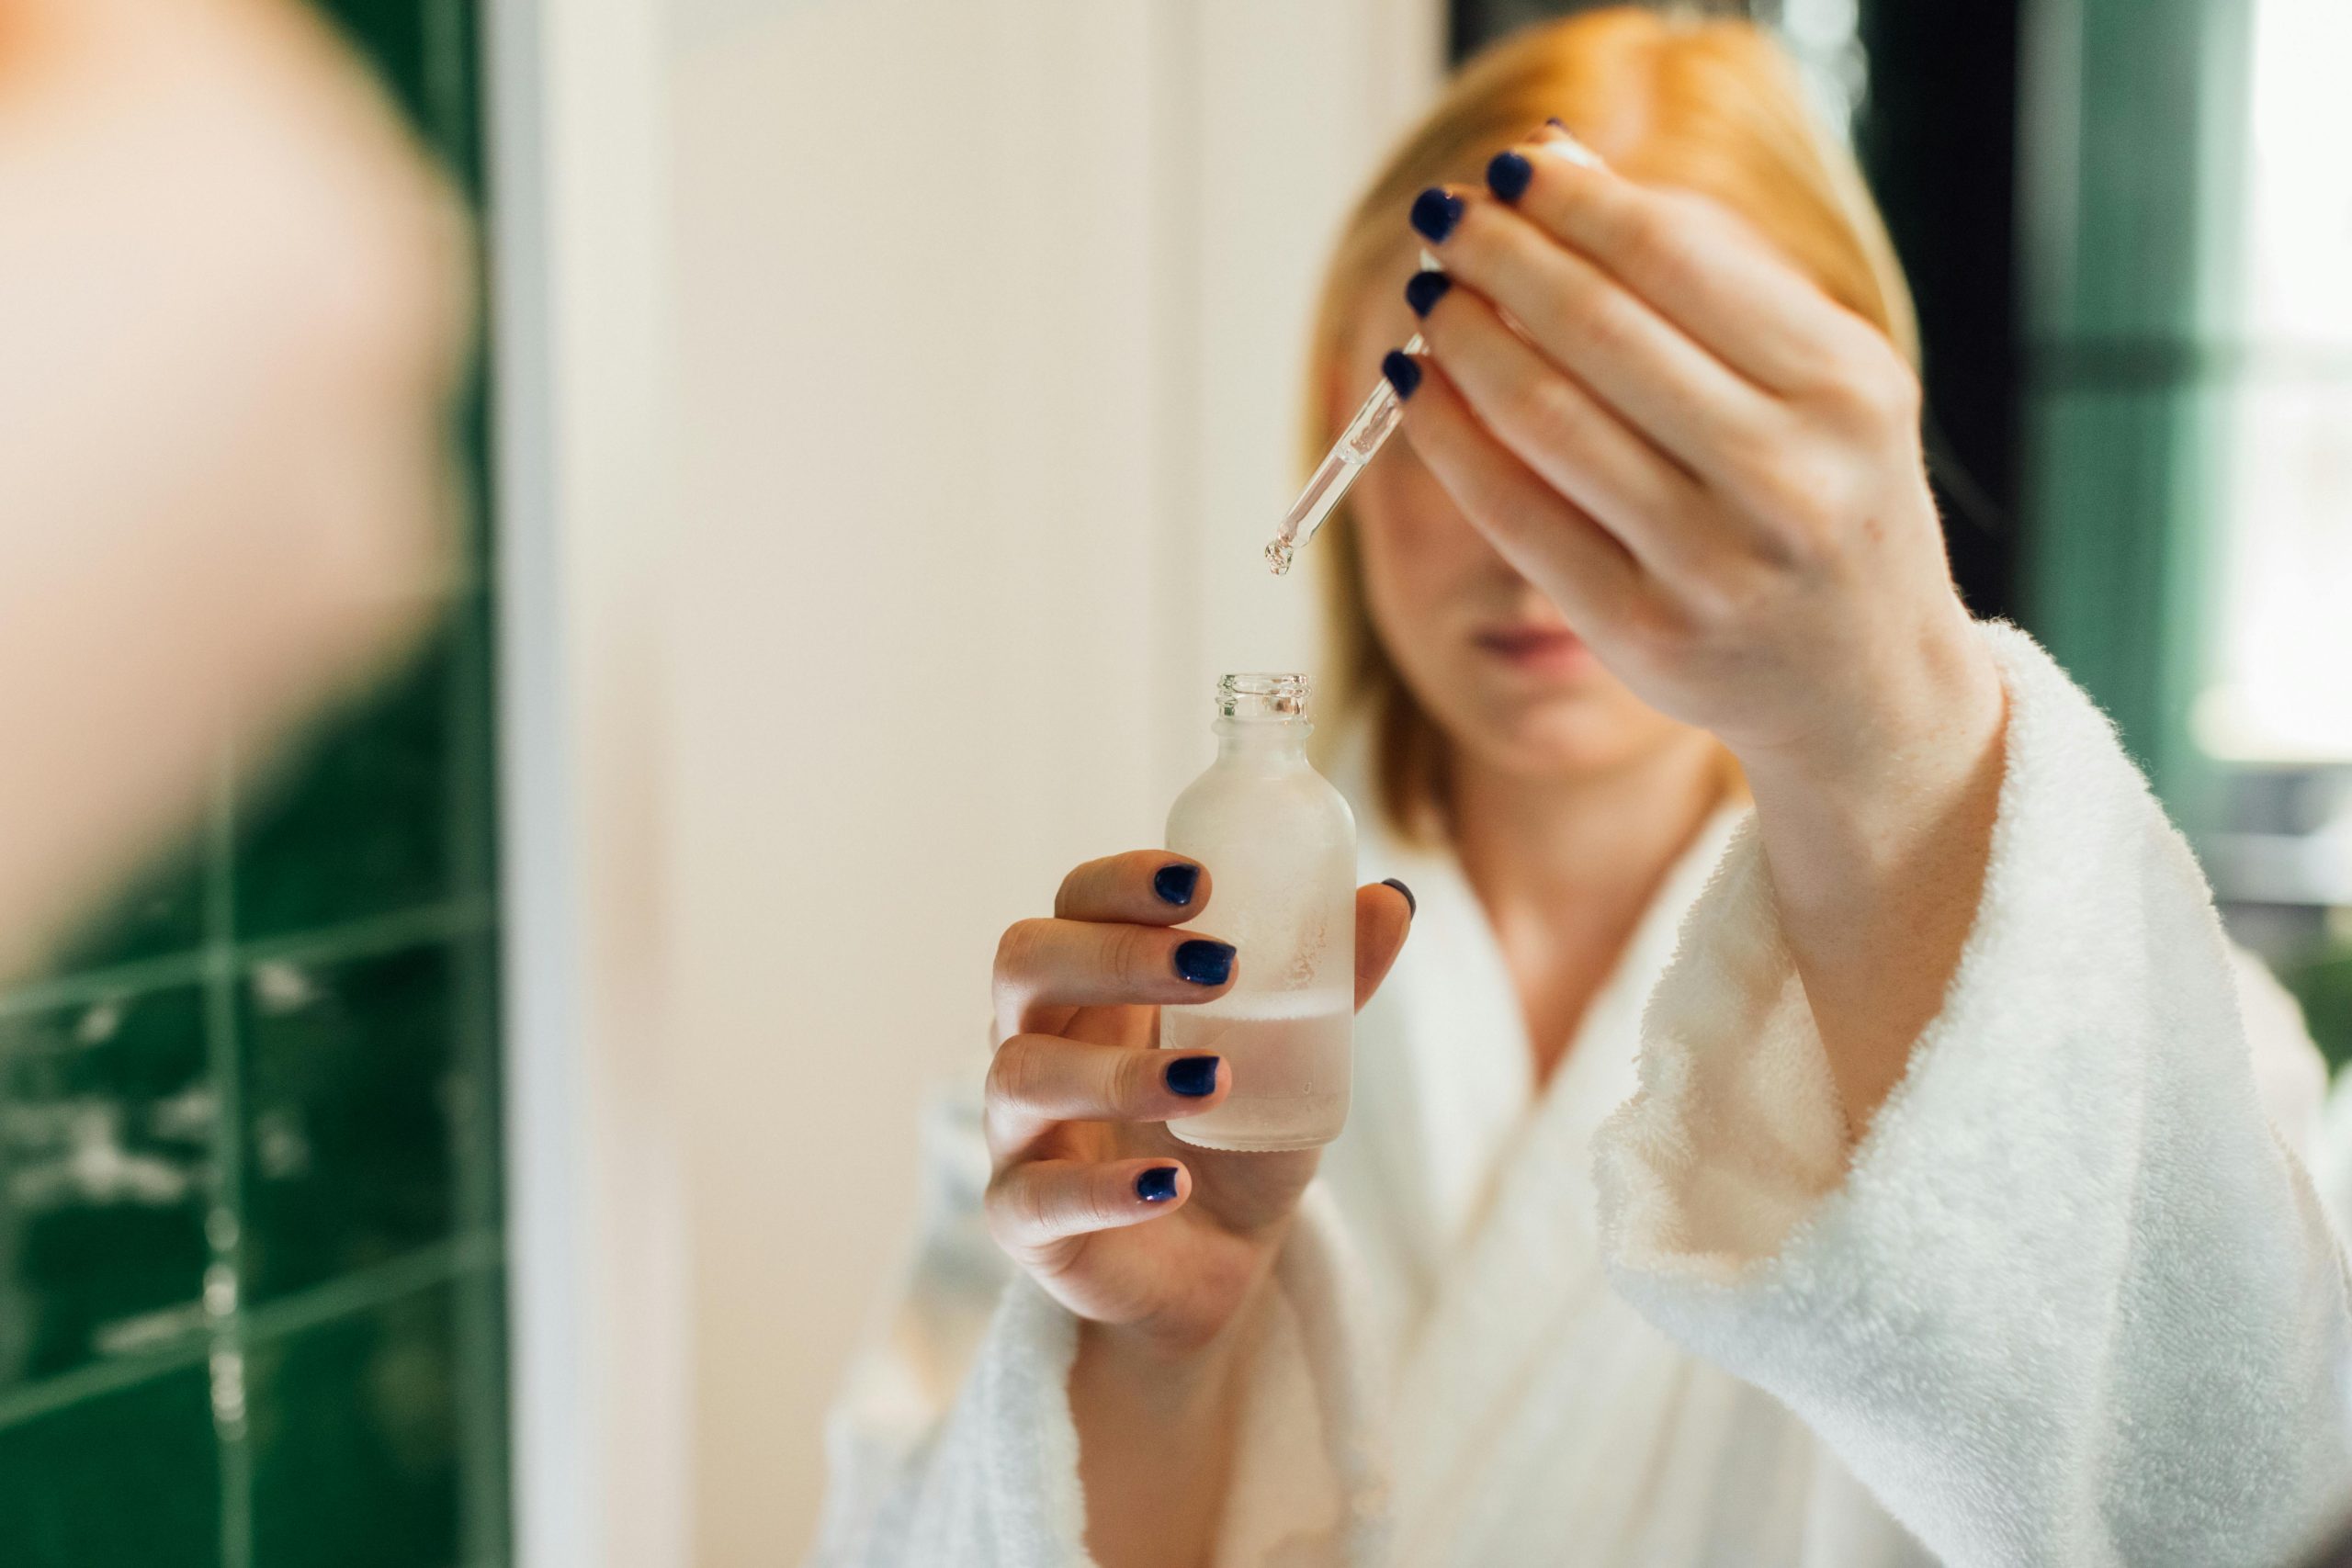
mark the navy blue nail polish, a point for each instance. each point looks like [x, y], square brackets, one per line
[1175, 883]
[1435, 212]
[1194, 1077]
[1402, 373]
[1157, 1185]
[1412, 904]
[1508, 174]
[1204, 962]
[1424, 289]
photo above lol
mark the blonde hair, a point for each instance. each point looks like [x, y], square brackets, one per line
[1712, 107]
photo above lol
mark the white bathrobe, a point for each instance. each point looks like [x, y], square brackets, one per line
[2073, 1301]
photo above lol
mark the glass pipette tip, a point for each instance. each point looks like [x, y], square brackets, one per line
[1374, 422]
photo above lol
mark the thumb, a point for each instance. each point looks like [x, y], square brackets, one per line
[1383, 914]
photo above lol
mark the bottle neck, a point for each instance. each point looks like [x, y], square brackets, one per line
[1273, 745]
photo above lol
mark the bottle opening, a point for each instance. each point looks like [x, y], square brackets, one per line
[1262, 697]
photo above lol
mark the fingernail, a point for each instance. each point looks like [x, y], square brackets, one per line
[1435, 212]
[1157, 1185]
[1508, 174]
[1402, 373]
[1424, 289]
[1175, 881]
[1412, 904]
[1204, 962]
[1193, 1076]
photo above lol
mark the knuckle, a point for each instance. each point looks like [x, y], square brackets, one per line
[1012, 1072]
[1134, 953]
[1536, 408]
[1705, 597]
[1900, 393]
[1734, 594]
[1559, 416]
[1098, 1208]
[1654, 237]
[1659, 628]
[1604, 324]
[1878, 393]
[1016, 949]
[1905, 403]
[1012, 1209]
[1134, 1079]
[1798, 485]
[1086, 883]
[1030, 1216]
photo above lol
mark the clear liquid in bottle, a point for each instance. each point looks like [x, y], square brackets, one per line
[1278, 844]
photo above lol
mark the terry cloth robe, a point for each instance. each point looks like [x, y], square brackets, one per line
[2072, 1300]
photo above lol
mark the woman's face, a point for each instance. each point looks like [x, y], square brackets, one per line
[1492, 662]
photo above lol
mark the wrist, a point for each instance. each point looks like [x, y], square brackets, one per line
[1170, 1366]
[1877, 858]
[1149, 1407]
[1150, 1384]
[1901, 746]
[1849, 827]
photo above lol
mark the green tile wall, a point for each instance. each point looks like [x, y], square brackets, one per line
[2132, 137]
[250, 1269]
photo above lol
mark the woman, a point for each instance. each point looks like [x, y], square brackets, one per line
[1932, 1197]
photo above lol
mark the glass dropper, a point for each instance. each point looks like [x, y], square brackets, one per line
[1373, 424]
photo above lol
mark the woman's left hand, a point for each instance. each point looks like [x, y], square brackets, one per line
[1714, 470]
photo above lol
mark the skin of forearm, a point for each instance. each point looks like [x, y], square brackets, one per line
[1878, 861]
[1156, 1438]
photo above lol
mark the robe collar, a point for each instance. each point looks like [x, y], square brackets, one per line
[1443, 1049]
[1505, 1339]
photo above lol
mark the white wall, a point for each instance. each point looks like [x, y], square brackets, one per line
[929, 607]
[990, 326]
[582, 310]
[986, 321]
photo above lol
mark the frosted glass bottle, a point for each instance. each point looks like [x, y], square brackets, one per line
[1280, 845]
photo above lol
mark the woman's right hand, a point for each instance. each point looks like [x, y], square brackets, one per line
[1110, 1214]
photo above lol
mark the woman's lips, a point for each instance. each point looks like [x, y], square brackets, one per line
[1546, 650]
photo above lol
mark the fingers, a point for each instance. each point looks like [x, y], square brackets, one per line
[1065, 963]
[1036, 1207]
[1560, 431]
[1681, 398]
[1547, 538]
[1696, 264]
[1383, 916]
[1146, 887]
[1036, 1080]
